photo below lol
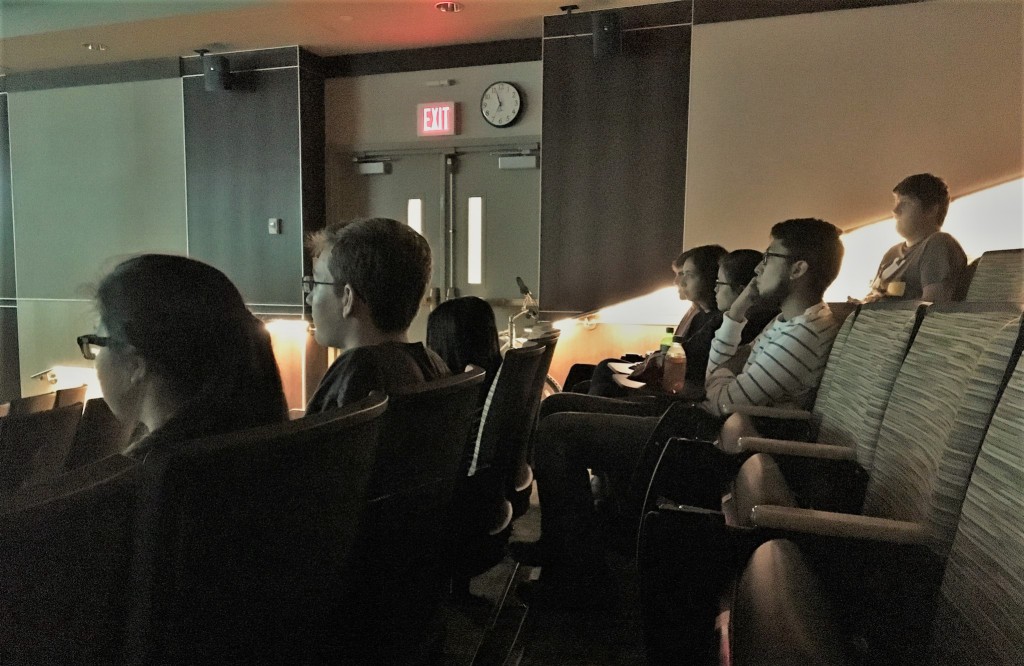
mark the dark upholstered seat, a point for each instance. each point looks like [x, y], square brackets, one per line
[99, 435]
[243, 542]
[70, 396]
[64, 567]
[35, 446]
[32, 404]
[394, 615]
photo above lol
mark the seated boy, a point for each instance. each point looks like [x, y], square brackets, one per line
[369, 277]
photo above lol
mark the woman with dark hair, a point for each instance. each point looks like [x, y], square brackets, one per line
[735, 271]
[695, 272]
[463, 331]
[178, 352]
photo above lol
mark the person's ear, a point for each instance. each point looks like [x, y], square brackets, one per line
[798, 269]
[348, 297]
[135, 365]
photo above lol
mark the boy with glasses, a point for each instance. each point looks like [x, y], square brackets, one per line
[368, 279]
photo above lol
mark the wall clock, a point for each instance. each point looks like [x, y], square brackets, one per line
[501, 103]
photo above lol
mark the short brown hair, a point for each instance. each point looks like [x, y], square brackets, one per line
[385, 262]
[928, 189]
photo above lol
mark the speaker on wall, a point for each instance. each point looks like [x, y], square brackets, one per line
[607, 27]
[216, 72]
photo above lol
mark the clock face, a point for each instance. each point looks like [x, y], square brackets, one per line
[501, 104]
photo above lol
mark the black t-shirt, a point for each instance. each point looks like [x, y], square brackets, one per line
[385, 367]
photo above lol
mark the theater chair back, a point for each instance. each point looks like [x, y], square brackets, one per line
[940, 406]
[852, 407]
[981, 602]
[399, 555]
[998, 277]
[35, 446]
[65, 553]
[243, 542]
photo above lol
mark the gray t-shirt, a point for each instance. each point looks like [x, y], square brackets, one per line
[905, 272]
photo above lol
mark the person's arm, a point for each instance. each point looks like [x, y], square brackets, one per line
[939, 292]
[778, 368]
[942, 265]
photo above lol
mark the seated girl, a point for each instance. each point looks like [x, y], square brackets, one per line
[462, 331]
[178, 352]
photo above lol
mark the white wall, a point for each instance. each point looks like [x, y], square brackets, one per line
[822, 114]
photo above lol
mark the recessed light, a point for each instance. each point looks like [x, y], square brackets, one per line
[94, 46]
[449, 7]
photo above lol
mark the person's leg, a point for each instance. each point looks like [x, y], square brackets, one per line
[594, 404]
[568, 444]
[602, 382]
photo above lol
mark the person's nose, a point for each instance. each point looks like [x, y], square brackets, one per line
[309, 299]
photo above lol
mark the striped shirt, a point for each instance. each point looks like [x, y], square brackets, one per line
[784, 367]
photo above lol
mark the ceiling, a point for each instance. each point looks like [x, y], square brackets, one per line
[47, 34]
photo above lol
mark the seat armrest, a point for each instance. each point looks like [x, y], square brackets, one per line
[794, 448]
[840, 525]
[768, 412]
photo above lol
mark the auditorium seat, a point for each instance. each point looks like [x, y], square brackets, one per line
[99, 435]
[32, 404]
[243, 540]
[523, 480]
[482, 510]
[35, 446]
[998, 277]
[64, 567]
[70, 396]
[402, 577]
[975, 618]
[940, 405]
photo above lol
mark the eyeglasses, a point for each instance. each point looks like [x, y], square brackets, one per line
[308, 283]
[719, 283]
[766, 255]
[90, 344]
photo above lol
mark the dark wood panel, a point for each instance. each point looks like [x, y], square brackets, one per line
[311, 119]
[436, 57]
[92, 75]
[10, 369]
[646, 16]
[613, 182]
[243, 167]
[716, 11]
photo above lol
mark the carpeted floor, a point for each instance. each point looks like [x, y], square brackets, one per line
[541, 636]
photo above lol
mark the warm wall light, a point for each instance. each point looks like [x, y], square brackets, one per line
[414, 215]
[449, 7]
[475, 240]
[990, 219]
[70, 376]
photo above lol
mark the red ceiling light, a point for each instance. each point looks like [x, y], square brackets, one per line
[448, 7]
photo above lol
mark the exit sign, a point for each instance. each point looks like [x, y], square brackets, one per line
[435, 119]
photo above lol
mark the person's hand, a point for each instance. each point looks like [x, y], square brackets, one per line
[874, 296]
[747, 299]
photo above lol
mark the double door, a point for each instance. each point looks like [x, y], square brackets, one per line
[479, 210]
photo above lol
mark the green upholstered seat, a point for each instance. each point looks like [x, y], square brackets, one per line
[998, 277]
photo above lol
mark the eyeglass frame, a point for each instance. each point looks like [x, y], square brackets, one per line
[308, 284]
[88, 341]
[767, 255]
[719, 283]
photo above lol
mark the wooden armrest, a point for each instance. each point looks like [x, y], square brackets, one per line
[770, 412]
[841, 525]
[793, 448]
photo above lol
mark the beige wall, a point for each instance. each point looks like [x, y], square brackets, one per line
[371, 111]
[821, 114]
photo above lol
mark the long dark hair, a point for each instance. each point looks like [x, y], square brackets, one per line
[463, 331]
[192, 328]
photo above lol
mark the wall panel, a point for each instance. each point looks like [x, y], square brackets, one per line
[9, 385]
[822, 114]
[612, 185]
[98, 173]
[243, 160]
